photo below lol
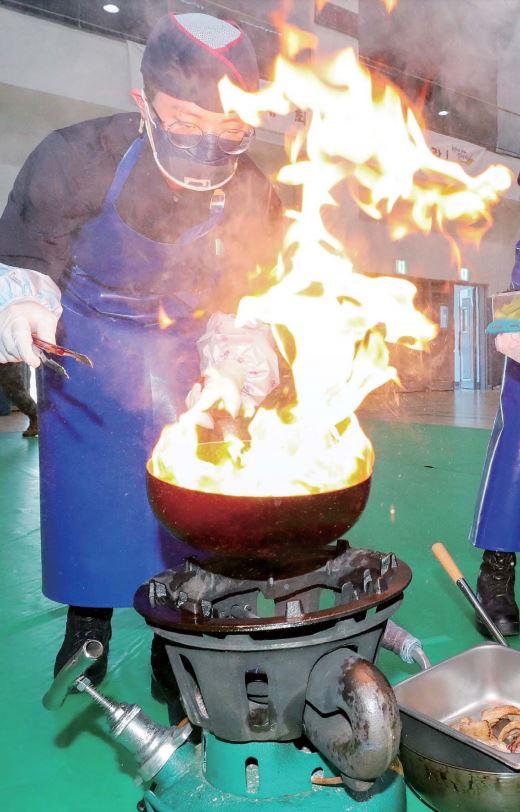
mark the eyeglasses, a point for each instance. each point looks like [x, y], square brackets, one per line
[184, 135]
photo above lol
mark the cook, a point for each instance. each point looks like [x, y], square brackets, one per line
[496, 526]
[110, 223]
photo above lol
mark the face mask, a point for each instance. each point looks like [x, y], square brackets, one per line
[203, 167]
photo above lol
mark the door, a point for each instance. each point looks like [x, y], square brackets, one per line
[431, 370]
[466, 336]
[440, 351]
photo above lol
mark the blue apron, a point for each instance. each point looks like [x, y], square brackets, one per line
[496, 525]
[100, 540]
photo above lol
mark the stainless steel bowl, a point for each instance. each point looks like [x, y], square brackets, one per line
[446, 769]
[463, 685]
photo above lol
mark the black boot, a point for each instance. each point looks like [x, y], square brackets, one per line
[164, 685]
[86, 624]
[496, 592]
[32, 428]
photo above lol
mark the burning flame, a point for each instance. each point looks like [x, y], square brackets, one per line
[331, 325]
[389, 4]
[164, 319]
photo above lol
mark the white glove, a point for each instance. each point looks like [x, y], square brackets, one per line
[509, 344]
[18, 322]
[239, 366]
[29, 303]
[223, 385]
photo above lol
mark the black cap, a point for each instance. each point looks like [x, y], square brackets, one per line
[188, 54]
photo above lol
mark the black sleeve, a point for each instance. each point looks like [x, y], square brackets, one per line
[45, 207]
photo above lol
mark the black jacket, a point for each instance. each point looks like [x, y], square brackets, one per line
[65, 179]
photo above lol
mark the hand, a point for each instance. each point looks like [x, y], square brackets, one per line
[221, 385]
[244, 354]
[18, 321]
[509, 344]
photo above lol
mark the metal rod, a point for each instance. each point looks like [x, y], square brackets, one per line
[472, 598]
[83, 685]
[90, 651]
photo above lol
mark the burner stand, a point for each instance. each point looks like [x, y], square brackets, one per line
[262, 777]
[243, 651]
[279, 675]
[278, 660]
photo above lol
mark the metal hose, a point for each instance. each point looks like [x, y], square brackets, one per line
[405, 645]
[420, 658]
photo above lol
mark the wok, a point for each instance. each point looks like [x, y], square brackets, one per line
[276, 528]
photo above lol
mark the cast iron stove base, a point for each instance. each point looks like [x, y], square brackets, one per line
[269, 660]
[263, 777]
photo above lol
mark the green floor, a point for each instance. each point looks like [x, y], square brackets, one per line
[62, 762]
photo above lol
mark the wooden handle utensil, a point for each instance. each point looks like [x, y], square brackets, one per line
[446, 561]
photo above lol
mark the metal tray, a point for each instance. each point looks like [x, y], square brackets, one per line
[460, 686]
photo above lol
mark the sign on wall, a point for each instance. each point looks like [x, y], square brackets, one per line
[474, 159]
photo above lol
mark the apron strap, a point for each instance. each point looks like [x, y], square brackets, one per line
[124, 168]
[216, 215]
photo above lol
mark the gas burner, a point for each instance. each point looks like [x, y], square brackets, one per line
[279, 658]
[353, 582]
[271, 634]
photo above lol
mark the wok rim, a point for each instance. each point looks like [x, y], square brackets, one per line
[233, 496]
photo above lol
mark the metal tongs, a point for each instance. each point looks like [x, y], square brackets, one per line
[54, 349]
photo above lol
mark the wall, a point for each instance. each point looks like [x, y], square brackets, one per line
[51, 58]
[52, 76]
[431, 256]
[508, 87]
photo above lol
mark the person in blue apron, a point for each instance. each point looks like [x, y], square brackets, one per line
[111, 223]
[496, 525]
[14, 387]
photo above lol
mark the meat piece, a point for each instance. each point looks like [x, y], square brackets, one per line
[499, 727]
[493, 715]
[464, 720]
[476, 730]
[501, 724]
[512, 730]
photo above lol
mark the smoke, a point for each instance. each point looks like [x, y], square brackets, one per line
[461, 52]
[455, 43]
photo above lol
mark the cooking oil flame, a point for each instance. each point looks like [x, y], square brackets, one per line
[164, 319]
[332, 325]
